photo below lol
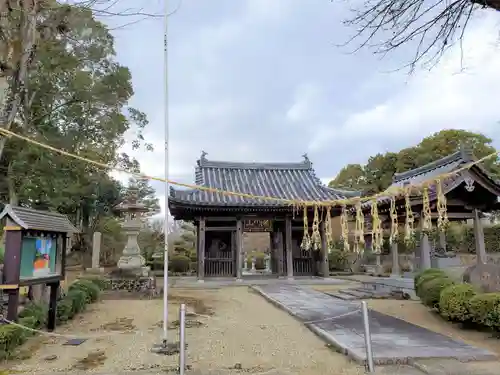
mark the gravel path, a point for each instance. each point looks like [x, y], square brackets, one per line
[240, 333]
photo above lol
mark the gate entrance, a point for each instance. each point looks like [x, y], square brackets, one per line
[219, 254]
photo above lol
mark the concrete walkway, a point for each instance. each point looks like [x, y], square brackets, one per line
[340, 324]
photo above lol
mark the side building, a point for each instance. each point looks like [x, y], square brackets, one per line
[221, 219]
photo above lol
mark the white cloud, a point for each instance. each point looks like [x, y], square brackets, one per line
[306, 103]
[444, 97]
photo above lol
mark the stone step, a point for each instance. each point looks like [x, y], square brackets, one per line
[360, 294]
[376, 293]
[342, 296]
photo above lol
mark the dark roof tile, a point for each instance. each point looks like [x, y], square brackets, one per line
[291, 181]
[28, 218]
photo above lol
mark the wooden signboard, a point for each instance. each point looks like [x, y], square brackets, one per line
[257, 226]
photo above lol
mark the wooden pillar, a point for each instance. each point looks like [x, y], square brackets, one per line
[271, 251]
[279, 252]
[425, 249]
[325, 267]
[239, 246]
[479, 238]
[12, 267]
[288, 247]
[51, 318]
[201, 249]
[395, 259]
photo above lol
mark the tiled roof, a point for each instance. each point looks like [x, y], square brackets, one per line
[428, 171]
[293, 181]
[28, 218]
[438, 167]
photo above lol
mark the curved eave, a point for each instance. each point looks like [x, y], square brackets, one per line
[397, 177]
[342, 193]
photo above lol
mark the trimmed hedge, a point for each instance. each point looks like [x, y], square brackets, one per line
[431, 290]
[425, 276]
[454, 303]
[485, 310]
[34, 315]
[459, 302]
[179, 263]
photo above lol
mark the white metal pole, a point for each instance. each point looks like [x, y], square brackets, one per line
[368, 338]
[182, 339]
[166, 222]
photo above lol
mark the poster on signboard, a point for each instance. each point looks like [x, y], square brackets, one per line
[38, 257]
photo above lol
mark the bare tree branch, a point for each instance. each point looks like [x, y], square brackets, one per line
[432, 25]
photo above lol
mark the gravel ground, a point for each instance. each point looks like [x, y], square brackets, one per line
[240, 333]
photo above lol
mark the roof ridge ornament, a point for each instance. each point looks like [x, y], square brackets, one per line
[306, 159]
[203, 158]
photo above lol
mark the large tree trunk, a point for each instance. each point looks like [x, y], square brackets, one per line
[17, 45]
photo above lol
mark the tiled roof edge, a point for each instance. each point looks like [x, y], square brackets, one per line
[204, 163]
[458, 155]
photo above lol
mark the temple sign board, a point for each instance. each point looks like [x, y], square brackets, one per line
[257, 226]
[35, 253]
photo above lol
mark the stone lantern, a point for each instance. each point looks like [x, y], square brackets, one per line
[131, 261]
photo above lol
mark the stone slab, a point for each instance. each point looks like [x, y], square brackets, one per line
[342, 296]
[340, 324]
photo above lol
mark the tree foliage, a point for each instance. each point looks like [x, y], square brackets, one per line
[430, 26]
[376, 175]
[78, 102]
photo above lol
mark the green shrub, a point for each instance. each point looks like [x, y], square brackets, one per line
[485, 310]
[91, 289]
[179, 263]
[64, 310]
[11, 337]
[78, 300]
[430, 290]
[34, 315]
[101, 282]
[38, 311]
[426, 275]
[455, 300]
[337, 260]
[30, 322]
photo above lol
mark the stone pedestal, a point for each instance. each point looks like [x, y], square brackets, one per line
[132, 262]
[267, 262]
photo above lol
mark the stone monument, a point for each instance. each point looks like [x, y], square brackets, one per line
[484, 276]
[96, 254]
[132, 262]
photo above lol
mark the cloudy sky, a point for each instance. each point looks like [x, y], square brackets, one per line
[265, 80]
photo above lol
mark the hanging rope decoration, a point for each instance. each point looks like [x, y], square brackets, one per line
[442, 221]
[344, 224]
[306, 239]
[410, 220]
[426, 210]
[394, 221]
[328, 228]
[359, 231]
[316, 236]
[377, 235]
